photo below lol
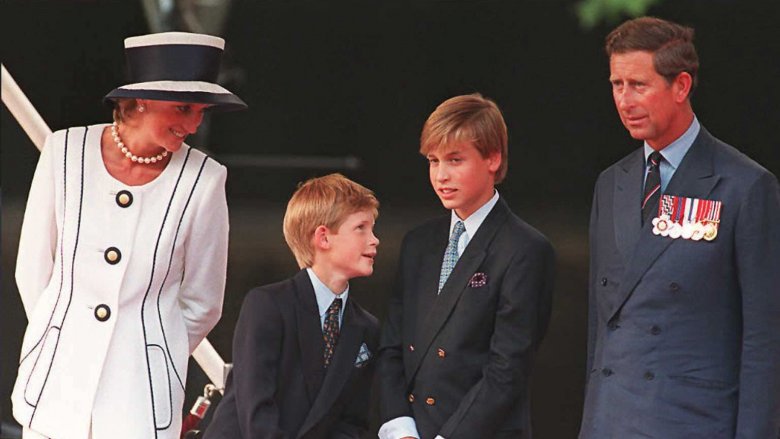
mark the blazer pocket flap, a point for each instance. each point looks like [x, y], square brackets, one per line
[41, 367]
[161, 385]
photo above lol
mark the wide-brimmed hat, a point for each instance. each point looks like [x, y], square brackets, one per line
[176, 66]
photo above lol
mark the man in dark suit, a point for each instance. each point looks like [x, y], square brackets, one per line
[466, 315]
[684, 331]
[303, 350]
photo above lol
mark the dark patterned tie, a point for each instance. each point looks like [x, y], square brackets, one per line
[330, 331]
[450, 254]
[652, 186]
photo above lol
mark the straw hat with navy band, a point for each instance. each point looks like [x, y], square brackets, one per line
[176, 66]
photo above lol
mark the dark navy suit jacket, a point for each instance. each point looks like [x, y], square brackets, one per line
[459, 362]
[684, 336]
[278, 387]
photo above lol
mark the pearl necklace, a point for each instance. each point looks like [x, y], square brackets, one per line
[130, 155]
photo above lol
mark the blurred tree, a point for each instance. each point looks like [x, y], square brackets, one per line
[592, 12]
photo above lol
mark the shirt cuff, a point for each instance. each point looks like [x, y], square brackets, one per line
[397, 428]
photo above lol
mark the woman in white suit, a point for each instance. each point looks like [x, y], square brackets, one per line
[123, 251]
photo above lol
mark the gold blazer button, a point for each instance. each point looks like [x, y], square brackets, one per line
[102, 312]
[112, 255]
[124, 199]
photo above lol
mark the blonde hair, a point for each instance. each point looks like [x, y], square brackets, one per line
[323, 201]
[468, 118]
[123, 107]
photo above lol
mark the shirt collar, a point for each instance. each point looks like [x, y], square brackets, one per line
[675, 151]
[324, 295]
[475, 220]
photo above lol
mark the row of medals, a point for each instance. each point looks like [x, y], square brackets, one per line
[664, 226]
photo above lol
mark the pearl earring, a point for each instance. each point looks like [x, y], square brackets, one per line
[141, 108]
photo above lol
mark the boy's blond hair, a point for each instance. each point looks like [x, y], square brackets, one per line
[468, 118]
[323, 201]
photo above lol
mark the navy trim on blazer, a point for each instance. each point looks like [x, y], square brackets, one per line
[72, 279]
[62, 256]
[148, 289]
[170, 261]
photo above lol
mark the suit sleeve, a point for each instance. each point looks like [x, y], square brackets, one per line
[757, 255]
[38, 239]
[203, 287]
[392, 380]
[592, 308]
[257, 344]
[521, 319]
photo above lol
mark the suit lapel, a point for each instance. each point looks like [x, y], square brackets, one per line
[429, 271]
[340, 369]
[627, 206]
[309, 335]
[467, 265]
[695, 178]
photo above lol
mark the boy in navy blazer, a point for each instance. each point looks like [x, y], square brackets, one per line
[303, 349]
[473, 296]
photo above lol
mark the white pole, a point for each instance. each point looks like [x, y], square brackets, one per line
[33, 124]
[212, 364]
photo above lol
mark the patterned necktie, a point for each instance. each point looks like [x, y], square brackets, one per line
[330, 331]
[450, 254]
[652, 186]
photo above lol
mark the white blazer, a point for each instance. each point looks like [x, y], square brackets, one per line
[120, 283]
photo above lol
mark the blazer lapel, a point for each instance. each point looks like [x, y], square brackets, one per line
[340, 369]
[309, 335]
[627, 206]
[695, 178]
[430, 269]
[467, 265]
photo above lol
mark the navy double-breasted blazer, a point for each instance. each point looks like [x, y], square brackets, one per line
[684, 336]
[459, 362]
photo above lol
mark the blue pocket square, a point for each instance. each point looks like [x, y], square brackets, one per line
[363, 356]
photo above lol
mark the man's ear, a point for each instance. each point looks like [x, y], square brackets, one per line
[682, 87]
[321, 239]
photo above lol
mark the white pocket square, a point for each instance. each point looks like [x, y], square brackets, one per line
[363, 356]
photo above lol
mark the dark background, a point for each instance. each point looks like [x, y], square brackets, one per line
[358, 78]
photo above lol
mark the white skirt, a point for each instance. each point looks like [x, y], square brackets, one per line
[29, 434]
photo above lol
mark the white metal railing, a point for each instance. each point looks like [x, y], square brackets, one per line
[33, 124]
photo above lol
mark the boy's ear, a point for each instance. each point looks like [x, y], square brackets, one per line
[321, 238]
[494, 161]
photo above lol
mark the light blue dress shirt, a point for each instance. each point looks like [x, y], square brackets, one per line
[472, 223]
[673, 153]
[325, 297]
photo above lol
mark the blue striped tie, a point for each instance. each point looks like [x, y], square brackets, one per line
[450, 254]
